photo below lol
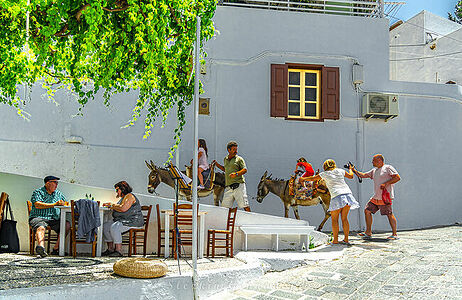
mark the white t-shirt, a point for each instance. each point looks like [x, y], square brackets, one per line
[381, 175]
[335, 181]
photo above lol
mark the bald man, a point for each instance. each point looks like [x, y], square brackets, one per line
[384, 177]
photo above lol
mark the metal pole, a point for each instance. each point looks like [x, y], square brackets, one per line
[26, 89]
[195, 157]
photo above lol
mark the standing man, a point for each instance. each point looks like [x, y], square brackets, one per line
[44, 213]
[384, 176]
[234, 168]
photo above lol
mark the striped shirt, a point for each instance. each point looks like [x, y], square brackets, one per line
[41, 195]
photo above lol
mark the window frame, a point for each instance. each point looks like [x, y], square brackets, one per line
[302, 96]
[329, 83]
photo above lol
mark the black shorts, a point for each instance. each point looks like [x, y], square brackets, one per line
[35, 223]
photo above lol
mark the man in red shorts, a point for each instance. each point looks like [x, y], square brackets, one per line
[384, 177]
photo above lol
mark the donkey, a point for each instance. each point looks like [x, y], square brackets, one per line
[158, 175]
[280, 188]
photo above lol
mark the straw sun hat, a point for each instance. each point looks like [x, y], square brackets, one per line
[140, 267]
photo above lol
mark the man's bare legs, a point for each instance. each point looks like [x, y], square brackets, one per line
[393, 223]
[40, 236]
[368, 217]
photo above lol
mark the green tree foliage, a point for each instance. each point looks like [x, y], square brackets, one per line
[457, 16]
[107, 47]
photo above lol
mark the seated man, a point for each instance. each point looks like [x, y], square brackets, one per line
[44, 213]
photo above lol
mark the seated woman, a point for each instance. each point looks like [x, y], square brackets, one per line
[202, 162]
[126, 215]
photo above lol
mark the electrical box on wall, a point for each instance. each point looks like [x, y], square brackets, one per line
[380, 106]
[204, 106]
[358, 74]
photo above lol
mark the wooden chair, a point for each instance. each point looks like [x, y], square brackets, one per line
[183, 221]
[74, 240]
[161, 233]
[227, 235]
[50, 236]
[3, 199]
[137, 237]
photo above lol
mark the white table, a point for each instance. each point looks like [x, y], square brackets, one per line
[201, 236]
[62, 237]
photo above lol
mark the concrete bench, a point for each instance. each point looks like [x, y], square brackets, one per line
[275, 230]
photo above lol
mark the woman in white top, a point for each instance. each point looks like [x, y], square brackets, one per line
[342, 199]
[202, 164]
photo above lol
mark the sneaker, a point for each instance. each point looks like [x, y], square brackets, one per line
[41, 251]
[116, 254]
[107, 252]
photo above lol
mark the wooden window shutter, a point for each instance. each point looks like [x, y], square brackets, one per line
[279, 87]
[330, 108]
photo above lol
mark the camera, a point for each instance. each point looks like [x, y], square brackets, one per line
[347, 166]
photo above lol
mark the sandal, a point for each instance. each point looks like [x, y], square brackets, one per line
[345, 243]
[365, 236]
[393, 238]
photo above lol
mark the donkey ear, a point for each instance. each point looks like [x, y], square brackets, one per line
[270, 175]
[264, 175]
[153, 166]
[149, 166]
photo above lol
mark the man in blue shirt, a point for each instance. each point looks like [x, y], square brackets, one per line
[44, 213]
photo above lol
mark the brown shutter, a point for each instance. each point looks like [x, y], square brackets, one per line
[330, 108]
[279, 87]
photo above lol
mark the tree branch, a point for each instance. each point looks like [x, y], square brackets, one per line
[62, 31]
[80, 11]
[56, 76]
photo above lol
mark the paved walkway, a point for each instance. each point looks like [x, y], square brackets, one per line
[422, 264]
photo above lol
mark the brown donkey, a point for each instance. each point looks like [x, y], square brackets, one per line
[280, 188]
[158, 175]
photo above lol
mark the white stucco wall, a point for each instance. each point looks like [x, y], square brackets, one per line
[422, 143]
[411, 55]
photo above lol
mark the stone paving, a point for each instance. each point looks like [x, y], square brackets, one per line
[422, 264]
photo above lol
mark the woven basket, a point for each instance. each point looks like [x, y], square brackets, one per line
[139, 267]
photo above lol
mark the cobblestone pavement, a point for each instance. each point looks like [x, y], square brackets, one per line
[422, 264]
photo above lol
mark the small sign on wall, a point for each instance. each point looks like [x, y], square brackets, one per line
[204, 106]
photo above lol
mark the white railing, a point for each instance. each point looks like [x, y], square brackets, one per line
[364, 8]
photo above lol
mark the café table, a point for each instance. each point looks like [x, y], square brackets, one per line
[201, 229]
[62, 237]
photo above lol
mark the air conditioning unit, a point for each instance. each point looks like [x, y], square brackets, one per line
[380, 106]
